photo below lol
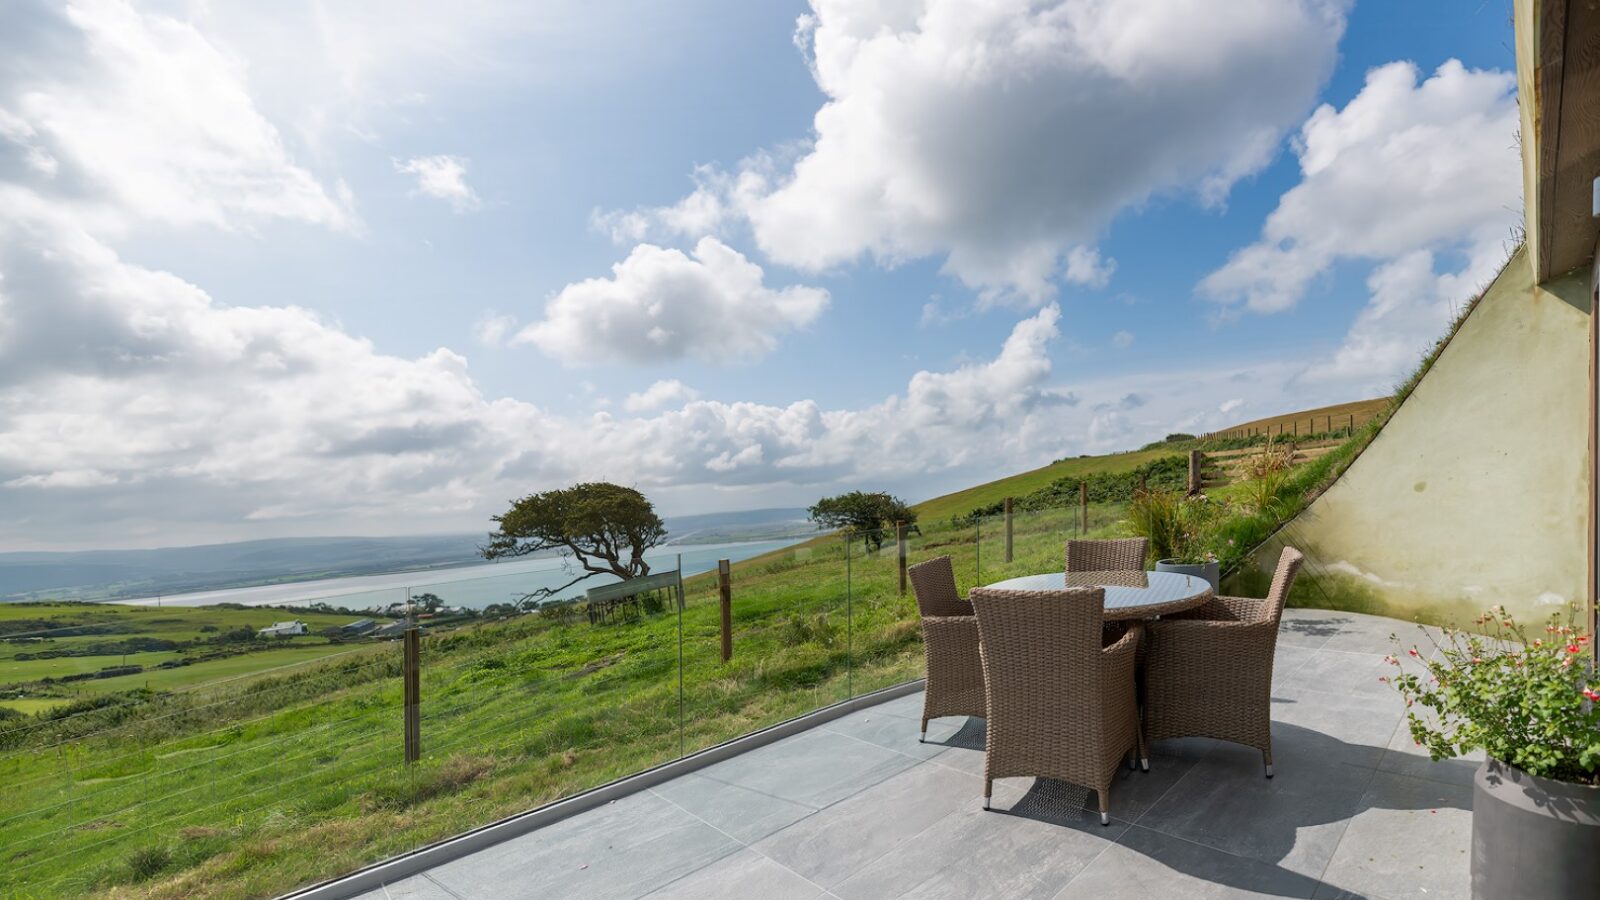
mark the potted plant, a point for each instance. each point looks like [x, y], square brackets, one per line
[1179, 530]
[1530, 705]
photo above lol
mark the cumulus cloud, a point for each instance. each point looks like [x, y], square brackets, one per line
[1407, 165]
[662, 393]
[1085, 267]
[1415, 175]
[661, 304]
[1122, 340]
[442, 178]
[1004, 135]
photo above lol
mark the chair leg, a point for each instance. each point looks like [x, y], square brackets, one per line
[924, 738]
[1142, 747]
[1105, 805]
[988, 792]
[1266, 757]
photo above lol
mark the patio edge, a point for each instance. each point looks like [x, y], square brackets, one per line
[461, 845]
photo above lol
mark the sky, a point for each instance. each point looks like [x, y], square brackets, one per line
[336, 268]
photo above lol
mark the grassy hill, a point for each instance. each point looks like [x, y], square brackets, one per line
[964, 501]
[1311, 421]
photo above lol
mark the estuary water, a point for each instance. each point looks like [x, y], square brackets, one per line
[476, 586]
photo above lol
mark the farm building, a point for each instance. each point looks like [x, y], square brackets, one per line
[283, 629]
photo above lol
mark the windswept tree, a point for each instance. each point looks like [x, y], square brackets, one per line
[604, 528]
[869, 515]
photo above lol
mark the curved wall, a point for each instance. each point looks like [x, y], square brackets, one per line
[1476, 490]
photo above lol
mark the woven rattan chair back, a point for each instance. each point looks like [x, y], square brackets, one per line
[934, 583]
[1282, 582]
[1111, 555]
[1042, 680]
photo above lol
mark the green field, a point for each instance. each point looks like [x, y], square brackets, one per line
[29, 685]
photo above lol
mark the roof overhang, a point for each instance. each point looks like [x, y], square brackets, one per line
[1558, 88]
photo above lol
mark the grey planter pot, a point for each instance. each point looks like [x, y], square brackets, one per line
[1533, 838]
[1210, 571]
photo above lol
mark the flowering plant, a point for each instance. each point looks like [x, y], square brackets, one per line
[1529, 703]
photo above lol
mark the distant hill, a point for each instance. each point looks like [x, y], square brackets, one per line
[114, 574]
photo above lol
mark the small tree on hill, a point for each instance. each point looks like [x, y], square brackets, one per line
[605, 528]
[870, 515]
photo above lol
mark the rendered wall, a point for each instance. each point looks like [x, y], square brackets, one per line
[1476, 490]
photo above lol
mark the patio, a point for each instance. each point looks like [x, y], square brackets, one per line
[857, 808]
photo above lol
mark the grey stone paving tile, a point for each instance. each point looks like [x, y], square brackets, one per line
[894, 733]
[1349, 729]
[1309, 628]
[1344, 672]
[1286, 662]
[622, 849]
[815, 768]
[1370, 634]
[743, 814]
[417, 887]
[907, 707]
[1406, 758]
[1411, 838]
[831, 845]
[1293, 821]
[742, 875]
[1030, 845]
[1145, 864]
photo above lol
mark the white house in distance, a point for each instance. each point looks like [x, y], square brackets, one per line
[283, 629]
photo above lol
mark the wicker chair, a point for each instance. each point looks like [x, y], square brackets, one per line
[1208, 670]
[950, 642]
[1059, 706]
[1115, 555]
[1118, 561]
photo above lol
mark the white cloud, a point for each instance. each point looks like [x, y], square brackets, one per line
[138, 118]
[1228, 406]
[442, 178]
[1405, 166]
[1004, 135]
[662, 393]
[1085, 267]
[493, 328]
[661, 304]
[1122, 340]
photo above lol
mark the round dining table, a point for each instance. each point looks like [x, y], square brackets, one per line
[1162, 593]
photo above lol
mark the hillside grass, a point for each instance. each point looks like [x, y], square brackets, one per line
[964, 501]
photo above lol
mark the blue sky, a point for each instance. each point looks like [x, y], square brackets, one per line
[235, 305]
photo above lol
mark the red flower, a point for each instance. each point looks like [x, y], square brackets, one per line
[1574, 648]
[1412, 651]
[1591, 694]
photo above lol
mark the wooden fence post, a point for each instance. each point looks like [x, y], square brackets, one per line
[900, 543]
[1196, 461]
[1083, 503]
[1008, 529]
[411, 672]
[725, 596]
